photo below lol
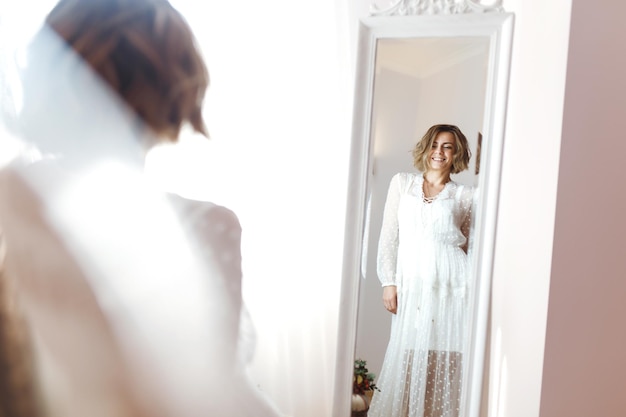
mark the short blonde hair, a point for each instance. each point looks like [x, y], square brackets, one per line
[462, 153]
[146, 51]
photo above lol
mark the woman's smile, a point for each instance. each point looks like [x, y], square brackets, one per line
[442, 151]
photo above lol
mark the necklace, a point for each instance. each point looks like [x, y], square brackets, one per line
[429, 195]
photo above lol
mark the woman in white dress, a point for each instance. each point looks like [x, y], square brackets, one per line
[116, 300]
[424, 270]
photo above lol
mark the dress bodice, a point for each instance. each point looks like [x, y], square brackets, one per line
[414, 229]
[437, 222]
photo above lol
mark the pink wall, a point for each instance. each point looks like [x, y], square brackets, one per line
[525, 229]
[584, 362]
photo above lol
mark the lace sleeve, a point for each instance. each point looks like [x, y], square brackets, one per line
[220, 235]
[388, 242]
[468, 195]
[216, 232]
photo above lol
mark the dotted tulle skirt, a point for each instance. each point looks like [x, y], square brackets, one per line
[423, 366]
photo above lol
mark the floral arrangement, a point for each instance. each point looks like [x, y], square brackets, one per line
[363, 379]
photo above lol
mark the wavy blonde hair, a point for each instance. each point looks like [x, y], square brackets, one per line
[462, 153]
[146, 51]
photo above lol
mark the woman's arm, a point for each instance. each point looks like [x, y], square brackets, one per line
[468, 205]
[388, 245]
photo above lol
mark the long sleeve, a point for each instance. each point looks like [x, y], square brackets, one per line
[468, 230]
[389, 234]
[216, 235]
[220, 231]
[467, 197]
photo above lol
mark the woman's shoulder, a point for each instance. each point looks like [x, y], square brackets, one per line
[406, 177]
[410, 175]
[190, 206]
[465, 188]
[201, 214]
[464, 193]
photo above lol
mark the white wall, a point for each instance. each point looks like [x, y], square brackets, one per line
[527, 205]
[584, 361]
[523, 258]
[576, 288]
[457, 95]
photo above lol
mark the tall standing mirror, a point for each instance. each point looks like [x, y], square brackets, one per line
[420, 64]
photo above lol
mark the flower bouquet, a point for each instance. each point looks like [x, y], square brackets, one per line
[363, 387]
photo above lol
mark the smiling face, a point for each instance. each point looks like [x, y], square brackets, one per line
[442, 148]
[441, 154]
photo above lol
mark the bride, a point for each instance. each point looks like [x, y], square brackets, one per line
[115, 299]
[424, 270]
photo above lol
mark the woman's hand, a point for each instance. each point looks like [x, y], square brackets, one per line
[390, 298]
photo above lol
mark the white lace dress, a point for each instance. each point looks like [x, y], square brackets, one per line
[133, 300]
[423, 252]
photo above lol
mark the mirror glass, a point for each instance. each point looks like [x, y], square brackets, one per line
[418, 82]
[415, 72]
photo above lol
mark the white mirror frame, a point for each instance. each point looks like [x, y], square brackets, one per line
[498, 27]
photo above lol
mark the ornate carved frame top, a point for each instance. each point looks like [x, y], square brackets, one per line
[430, 7]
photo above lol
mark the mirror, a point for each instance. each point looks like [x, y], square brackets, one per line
[414, 72]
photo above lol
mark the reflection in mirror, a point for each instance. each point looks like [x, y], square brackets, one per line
[418, 83]
[424, 337]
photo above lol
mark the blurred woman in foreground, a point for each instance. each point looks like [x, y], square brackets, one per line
[125, 301]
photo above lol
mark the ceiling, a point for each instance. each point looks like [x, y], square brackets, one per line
[422, 57]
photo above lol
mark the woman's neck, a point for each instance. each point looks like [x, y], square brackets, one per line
[437, 178]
